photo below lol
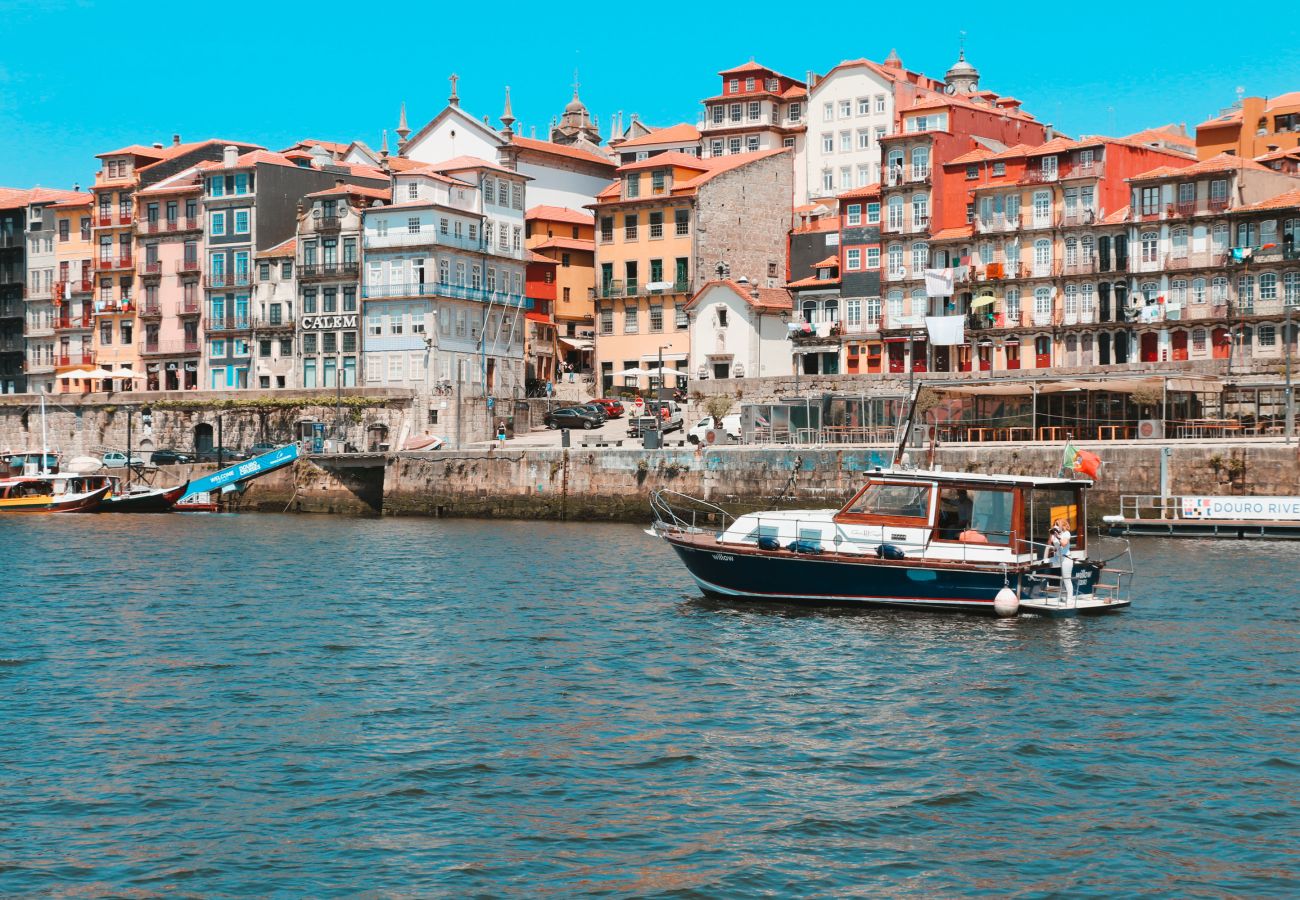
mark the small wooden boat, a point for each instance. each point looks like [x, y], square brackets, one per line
[52, 493]
[141, 499]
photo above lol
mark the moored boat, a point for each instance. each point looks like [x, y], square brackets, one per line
[1240, 516]
[52, 493]
[138, 498]
[907, 538]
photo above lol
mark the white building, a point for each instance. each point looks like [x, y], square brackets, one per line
[275, 294]
[40, 312]
[739, 330]
[850, 109]
[443, 285]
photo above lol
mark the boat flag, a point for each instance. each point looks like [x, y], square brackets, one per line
[1077, 460]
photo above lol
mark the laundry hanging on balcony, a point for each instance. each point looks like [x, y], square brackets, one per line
[938, 282]
[946, 331]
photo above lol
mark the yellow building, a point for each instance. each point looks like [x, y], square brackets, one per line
[664, 220]
[74, 287]
[568, 237]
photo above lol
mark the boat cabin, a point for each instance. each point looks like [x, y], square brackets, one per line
[27, 486]
[932, 515]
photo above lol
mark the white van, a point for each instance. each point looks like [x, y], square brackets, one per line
[700, 431]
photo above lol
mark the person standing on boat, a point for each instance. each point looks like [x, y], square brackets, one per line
[1058, 555]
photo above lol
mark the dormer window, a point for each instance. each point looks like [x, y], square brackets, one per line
[632, 186]
[749, 85]
[733, 86]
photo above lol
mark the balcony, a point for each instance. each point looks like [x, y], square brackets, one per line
[40, 366]
[1040, 319]
[64, 288]
[1184, 209]
[68, 321]
[1218, 204]
[40, 293]
[103, 220]
[1038, 176]
[260, 324]
[110, 264]
[1080, 267]
[315, 271]
[918, 174]
[187, 266]
[453, 291]
[36, 330]
[1093, 170]
[425, 237]
[151, 269]
[187, 308]
[10, 239]
[125, 217]
[166, 226]
[219, 280]
[327, 223]
[1075, 218]
[109, 307]
[76, 359]
[150, 310]
[899, 274]
[1199, 260]
[228, 323]
[173, 347]
[997, 224]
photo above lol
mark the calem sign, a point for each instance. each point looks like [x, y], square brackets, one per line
[327, 323]
[1242, 508]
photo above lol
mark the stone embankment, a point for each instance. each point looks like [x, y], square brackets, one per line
[614, 485]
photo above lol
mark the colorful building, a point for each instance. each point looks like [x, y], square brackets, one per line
[73, 292]
[1252, 127]
[567, 238]
[667, 224]
[758, 109]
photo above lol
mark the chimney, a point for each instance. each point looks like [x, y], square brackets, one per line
[76, 187]
[230, 156]
[176, 140]
[157, 145]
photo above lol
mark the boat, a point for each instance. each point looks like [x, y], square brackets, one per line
[907, 538]
[139, 498]
[52, 493]
[1237, 517]
[199, 501]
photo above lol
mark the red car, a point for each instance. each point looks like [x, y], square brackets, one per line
[613, 408]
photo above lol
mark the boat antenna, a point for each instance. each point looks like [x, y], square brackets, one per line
[907, 425]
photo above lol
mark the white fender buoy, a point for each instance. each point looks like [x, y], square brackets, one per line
[1006, 603]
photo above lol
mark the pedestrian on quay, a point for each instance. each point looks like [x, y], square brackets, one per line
[501, 432]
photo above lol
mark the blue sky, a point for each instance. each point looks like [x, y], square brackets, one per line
[80, 78]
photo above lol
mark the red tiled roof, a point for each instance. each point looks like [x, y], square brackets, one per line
[561, 150]
[564, 243]
[978, 155]
[1118, 217]
[560, 214]
[538, 258]
[135, 150]
[752, 66]
[1289, 200]
[794, 91]
[826, 223]
[889, 73]
[673, 134]
[1170, 134]
[663, 160]
[1234, 115]
[13, 198]
[1279, 154]
[461, 163]
[1224, 162]
[867, 190]
[826, 263]
[768, 298]
[74, 202]
[938, 101]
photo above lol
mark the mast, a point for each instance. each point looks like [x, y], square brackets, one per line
[45, 450]
[906, 427]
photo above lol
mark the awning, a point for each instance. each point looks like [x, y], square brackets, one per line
[1018, 389]
[576, 343]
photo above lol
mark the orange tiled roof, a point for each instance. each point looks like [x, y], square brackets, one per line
[355, 190]
[1118, 217]
[1169, 133]
[560, 150]
[284, 248]
[795, 91]
[13, 198]
[826, 223]
[135, 150]
[565, 243]
[752, 66]
[813, 281]
[673, 134]
[826, 263]
[1279, 154]
[538, 258]
[1289, 200]
[953, 234]
[560, 214]
[867, 190]
[461, 163]
[768, 298]
[717, 165]
[1224, 162]
[663, 160]
[74, 202]
[1234, 115]
[938, 101]
[889, 73]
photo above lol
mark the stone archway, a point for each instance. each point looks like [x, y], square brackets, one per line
[203, 437]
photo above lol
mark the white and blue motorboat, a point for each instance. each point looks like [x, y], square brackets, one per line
[907, 538]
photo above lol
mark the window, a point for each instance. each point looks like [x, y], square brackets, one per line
[1219, 191]
[1042, 208]
[241, 221]
[853, 259]
[717, 113]
[873, 213]
[880, 103]
[1150, 246]
[920, 256]
[1042, 304]
[629, 319]
[828, 112]
[846, 109]
[854, 214]
[733, 86]
[682, 220]
[751, 143]
[733, 112]
[1198, 290]
[895, 211]
[629, 226]
[846, 177]
[864, 106]
[1178, 293]
[873, 258]
[846, 141]
[1268, 286]
[1267, 335]
[217, 224]
[1219, 290]
[754, 110]
[1012, 304]
[999, 169]
[894, 256]
[828, 143]
[656, 318]
[656, 228]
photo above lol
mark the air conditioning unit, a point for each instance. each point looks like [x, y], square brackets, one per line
[1151, 430]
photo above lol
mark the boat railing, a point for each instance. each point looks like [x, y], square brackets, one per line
[1150, 506]
[681, 512]
[1114, 580]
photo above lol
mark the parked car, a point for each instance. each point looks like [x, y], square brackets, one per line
[657, 416]
[571, 417]
[613, 408]
[595, 409]
[226, 454]
[261, 447]
[116, 459]
[700, 430]
[166, 456]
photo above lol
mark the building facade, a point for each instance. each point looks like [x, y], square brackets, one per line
[169, 238]
[758, 109]
[567, 238]
[73, 293]
[738, 330]
[1252, 127]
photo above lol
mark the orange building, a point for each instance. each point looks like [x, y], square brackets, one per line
[73, 288]
[1252, 127]
[567, 237]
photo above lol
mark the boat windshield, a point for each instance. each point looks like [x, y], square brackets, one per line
[975, 516]
[911, 501]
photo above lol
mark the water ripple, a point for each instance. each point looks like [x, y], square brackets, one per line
[299, 706]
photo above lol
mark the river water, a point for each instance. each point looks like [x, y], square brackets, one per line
[263, 705]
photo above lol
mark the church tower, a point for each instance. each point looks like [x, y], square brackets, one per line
[576, 125]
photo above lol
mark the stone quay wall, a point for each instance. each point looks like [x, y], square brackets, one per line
[614, 485]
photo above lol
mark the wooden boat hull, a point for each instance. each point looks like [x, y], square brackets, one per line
[783, 576]
[88, 502]
[157, 501]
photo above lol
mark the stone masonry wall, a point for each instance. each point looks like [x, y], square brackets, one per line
[743, 219]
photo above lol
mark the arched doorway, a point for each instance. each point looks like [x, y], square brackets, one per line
[203, 437]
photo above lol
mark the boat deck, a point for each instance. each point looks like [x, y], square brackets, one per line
[1203, 528]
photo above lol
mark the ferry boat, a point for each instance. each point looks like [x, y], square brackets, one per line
[907, 538]
[53, 493]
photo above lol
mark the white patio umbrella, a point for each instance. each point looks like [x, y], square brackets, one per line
[632, 373]
[665, 372]
[127, 373]
[96, 373]
[74, 375]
